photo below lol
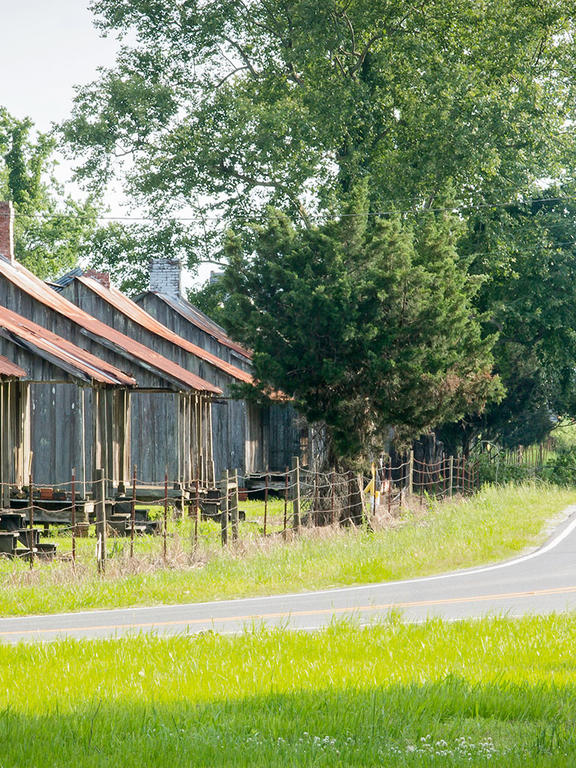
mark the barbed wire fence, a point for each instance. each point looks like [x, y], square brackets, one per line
[78, 522]
[163, 521]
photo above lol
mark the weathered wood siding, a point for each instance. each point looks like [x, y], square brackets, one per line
[271, 434]
[229, 419]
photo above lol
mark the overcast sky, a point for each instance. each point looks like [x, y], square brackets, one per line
[47, 47]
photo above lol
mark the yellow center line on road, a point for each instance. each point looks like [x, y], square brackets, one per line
[291, 614]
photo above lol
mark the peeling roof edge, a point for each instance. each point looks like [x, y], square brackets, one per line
[187, 310]
[138, 315]
[8, 368]
[138, 353]
[59, 351]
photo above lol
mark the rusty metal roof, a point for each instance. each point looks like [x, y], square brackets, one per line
[8, 368]
[197, 318]
[130, 309]
[106, 335]
[59, 351]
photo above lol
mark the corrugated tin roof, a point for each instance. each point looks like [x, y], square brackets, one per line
[8, 368]
[130, 309]
[59, 351]
[36, 288]
[197, 318]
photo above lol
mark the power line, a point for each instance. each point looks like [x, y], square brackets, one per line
[390, 212]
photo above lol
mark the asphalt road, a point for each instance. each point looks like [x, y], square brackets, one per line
[541, 582]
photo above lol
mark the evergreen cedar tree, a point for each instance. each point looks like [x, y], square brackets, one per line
[363, 324]
[237, 106]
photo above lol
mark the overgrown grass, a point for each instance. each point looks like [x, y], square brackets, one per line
[494, 524]
[490, 692]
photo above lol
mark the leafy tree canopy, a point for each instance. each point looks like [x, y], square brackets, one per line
[236, 105]
[245, 103]
[51, 229]
[529, 297]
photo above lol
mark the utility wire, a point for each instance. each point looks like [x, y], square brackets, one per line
[389, 212]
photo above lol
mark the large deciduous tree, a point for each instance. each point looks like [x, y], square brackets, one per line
[236, 105]
[244, 103]
[51, 229]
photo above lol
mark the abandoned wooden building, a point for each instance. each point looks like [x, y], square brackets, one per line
[13, 412]
[274, 433]
[48, 369]
[239, 435]
[182, 444]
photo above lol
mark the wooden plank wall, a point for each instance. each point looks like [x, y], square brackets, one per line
[14, 435]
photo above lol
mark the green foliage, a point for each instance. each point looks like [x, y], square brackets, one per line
[561, 468]
[438, 105]
[250, 104]
[366, 325]
[211, 298]
[526, 255]
[124, 250]
[51, 229]
[564, 436]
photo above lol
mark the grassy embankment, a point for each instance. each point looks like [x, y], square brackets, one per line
[491, 692]
[494, 524]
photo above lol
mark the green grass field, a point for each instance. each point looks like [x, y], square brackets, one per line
[493, 692]
[493, 524]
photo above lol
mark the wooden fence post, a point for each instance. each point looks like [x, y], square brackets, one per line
[234, 508]
[285, 525]
[265, 502]
[451, 477]
[333, 495]
[165, 522]
[224, 508]
[196, 512]
[100, 499]
[411, 474]
[373, 490]
[296, 493]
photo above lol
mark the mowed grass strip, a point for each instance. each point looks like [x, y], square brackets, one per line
[491, 692]
[494, 524]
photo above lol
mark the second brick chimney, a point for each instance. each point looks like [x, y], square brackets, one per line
[7, 230]
[102, 277]
[166, 277]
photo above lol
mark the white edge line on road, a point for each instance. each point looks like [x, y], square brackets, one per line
[552, 544]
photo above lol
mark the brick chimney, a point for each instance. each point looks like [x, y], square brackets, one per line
[102, 277]
[7, 230]
[166, 277]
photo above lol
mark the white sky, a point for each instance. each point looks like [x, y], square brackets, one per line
[46, 48]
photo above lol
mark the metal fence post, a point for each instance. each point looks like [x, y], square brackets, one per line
[224, 509]
[296, 493]
[234, 508]
[451, 477]
[100, 499]
[411, 474]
